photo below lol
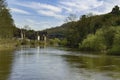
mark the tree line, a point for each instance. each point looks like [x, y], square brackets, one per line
[7, 26]
[93, 32]
[90, 32]
[9, 30]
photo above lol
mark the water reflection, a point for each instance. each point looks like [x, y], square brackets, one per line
[57, 64]
[107, 66]
[38, 64]
[6, 60]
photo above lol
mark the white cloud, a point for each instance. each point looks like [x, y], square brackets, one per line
[19, 11]
[30, 20]
[39, 6]
[80, 5]
[87, 6]
[44, 9]
[50, 13]
[106, 7]
[56, 13]
[66, 8]
[36, 25]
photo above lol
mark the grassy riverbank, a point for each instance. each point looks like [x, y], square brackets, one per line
[6, 44]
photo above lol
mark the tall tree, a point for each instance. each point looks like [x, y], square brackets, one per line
[71, 18]
[116, 10]
[6, 22]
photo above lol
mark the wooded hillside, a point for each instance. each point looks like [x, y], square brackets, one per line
[82, 33]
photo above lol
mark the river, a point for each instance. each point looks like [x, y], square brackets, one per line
[57, 64]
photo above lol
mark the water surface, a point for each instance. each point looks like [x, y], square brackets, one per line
[57, 64]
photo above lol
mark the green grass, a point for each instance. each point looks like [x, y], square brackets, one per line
[6, 44]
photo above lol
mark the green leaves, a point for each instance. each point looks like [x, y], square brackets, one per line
[7, 26]
[116, 10]
[116, 43]
[105, 39]
[94, 42]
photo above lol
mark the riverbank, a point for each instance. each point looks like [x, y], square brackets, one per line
[7, 47]
[11, 44]
[8, 44]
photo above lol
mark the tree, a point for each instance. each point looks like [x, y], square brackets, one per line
[116, 10]
[71, 18]
[109, 34]
[71, 38]
[2, 4]
[116, 43]
[94, 42]
[76, 32]
[7, 26]
[26, 27]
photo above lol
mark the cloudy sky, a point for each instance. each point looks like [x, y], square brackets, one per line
[42, 14]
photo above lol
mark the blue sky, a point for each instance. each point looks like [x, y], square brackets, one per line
[42, 14]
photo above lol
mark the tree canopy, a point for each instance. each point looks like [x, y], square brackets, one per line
[92, 32]
[7, 26]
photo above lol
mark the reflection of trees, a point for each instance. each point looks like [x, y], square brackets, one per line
[6, 58]
[102, 63]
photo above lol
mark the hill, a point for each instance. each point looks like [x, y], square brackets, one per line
[77, 33]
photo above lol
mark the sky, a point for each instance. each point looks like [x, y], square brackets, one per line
[44, 14]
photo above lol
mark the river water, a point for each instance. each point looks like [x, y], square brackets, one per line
[57, 64]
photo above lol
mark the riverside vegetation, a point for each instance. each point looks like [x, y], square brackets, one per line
[10, 35]
[99, 33]
[7, 27]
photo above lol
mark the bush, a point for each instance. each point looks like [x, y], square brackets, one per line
[25, 42]
[94, 42]
[54, 41]
[116, 44]
[63, 42]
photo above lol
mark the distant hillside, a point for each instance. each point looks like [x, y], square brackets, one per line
[59, 29]
[94, 20]
[93, 33]
[76, 32]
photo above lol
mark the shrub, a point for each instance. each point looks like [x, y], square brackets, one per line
[116, 44]
[94, 42]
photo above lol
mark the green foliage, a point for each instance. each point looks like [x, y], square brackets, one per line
[54, 42]
[71, 18]
[109, 36]
[72, 35]
[7, 26]
[105, 39]
[116, 44]
[63, 42]
[116, 10]
[8, 44]
[87, 43]
[25, 42]
[93, 33]
[94, 42]
[31, 34]
[58, 42]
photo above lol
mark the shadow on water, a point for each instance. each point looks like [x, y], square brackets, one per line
[6, 60]
[107, 65]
